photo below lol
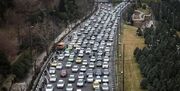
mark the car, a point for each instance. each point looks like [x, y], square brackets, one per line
[105, 87]
[99, 63]
[93, 59]
[78, 60]
[101, 46]
[98, 78]
[71, 78]
[80, 82]
[78, 89]
[75, 68]
[96, 85]
[52, 78]
[105, 79]
[106, 59]
[60, 83]
[91, 64]
[84, 62]
[59, 66]
[69, 87]
[52, 70]
[95, 48]
[83, 68]
[81, 53]
[61, 57]
[88, 50]
[100, 52]
[96, 44]
[105, 71]
[66, 54]
[89, 72]
[63, 73]
[99, 58]
[53, 64]
[107, 54]
[91, 41]
[81, 75]
[90, 78]
[68, 64]
[109, 44]
[107, 49]
[105, 65]
[71, 59]
[83, 46]
[98, 72]
[49, 87]
[93, 38]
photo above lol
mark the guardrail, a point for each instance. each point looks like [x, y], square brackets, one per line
[36, 82]
[117, 55]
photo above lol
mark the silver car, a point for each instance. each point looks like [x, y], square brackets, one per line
[60, 84]
[80, 82]
[71, 78]
[75, 68]
[105, 87]
[69, 87]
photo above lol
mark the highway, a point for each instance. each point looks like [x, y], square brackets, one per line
[98, 31]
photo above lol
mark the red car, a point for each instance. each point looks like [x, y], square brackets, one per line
[63, 73]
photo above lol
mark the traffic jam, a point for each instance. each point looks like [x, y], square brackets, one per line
[84, 60]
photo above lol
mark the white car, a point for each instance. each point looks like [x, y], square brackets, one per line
[106, 59]
[61, 57]
[105, 79]
[91, 65]
[98, 78]
[53, 78]
[68, 64]
[107, 49]
[71, 78]
[90, 78]
[75, 68]
[83, 68]
[60, 84]
[59, 66]
[69, 87]
[88, 50]
[85, 62]
[49, 87]
[105, 65]
[67, 54]
[93, 59]
[52, 70]
[81, 75]
[105, 87]
[80, 82]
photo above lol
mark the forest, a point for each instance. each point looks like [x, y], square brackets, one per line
[159, 61]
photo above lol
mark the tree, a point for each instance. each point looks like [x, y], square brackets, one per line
[4, 64]
[144, 83]
[4, 5]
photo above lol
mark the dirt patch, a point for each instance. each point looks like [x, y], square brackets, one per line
[131, 70]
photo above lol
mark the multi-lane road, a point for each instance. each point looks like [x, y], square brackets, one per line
[89, 47]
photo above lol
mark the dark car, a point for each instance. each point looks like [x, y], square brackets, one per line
[63, 73]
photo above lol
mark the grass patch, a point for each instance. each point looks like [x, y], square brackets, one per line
[131, 70]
